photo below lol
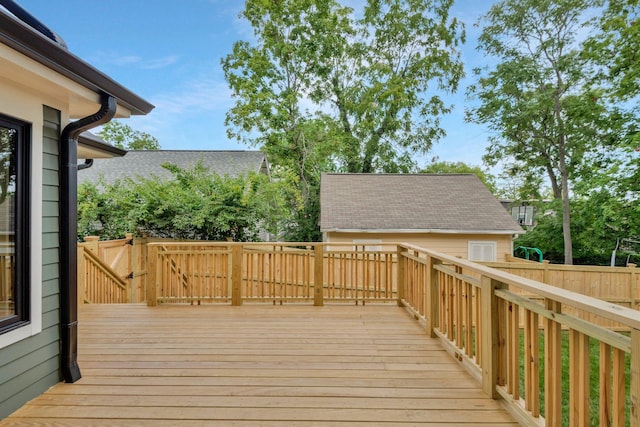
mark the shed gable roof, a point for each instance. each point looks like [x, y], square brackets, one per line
[148, 164]
[411, 202]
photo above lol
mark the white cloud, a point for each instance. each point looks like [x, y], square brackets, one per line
[110, 58]
[189, 116]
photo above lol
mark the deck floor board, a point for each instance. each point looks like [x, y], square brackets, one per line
[260, 365]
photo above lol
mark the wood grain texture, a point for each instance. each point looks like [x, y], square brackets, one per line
[255, 365]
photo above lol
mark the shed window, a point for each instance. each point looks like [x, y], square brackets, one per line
[482, 251]
[15, 141]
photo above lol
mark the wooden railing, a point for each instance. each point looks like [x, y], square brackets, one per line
[477, 312]
[285, 272]
[97, 283]
[531, 345]
[7, 265]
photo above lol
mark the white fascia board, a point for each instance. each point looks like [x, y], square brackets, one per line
[421, 231]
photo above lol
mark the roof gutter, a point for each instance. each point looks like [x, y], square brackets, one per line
[43, 49]
[69, 234]
[417, 230]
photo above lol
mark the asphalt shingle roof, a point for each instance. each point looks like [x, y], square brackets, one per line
[427, 202]
[148, 164]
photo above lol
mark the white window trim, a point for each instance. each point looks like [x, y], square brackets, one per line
[34, 327]
[369, 248]
[493, 245]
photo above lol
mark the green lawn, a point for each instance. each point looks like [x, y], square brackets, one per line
[594, 379]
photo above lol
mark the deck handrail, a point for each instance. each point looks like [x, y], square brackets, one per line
[483, 322]
[607, 310]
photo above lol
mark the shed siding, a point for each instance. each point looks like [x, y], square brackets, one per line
[451, 244]
[31, 366]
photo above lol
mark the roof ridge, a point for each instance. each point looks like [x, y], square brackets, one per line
[197, 151]
[396, 174]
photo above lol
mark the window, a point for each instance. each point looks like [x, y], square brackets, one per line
[482, 251]
[15, 141]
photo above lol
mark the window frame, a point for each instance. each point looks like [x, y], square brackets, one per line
[492, 244]
[22, 234]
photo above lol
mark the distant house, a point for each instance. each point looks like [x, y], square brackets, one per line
[49, 98]
[451, 213]
[148, 164]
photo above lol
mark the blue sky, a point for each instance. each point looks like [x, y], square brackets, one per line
[169, 53]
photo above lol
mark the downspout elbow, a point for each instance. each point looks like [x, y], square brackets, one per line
[69, 234]
[86, 165]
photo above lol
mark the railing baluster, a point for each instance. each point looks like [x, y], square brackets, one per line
[579, 378]
[618, 395]
[553, 366]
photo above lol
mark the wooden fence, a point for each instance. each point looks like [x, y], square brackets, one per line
[618, 285]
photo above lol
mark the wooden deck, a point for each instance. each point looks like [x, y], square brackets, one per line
[260, 365]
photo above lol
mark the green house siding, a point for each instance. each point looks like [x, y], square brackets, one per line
[31, 366]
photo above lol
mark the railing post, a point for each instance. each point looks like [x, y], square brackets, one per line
[318, 275]
[545, 272]
[632, 285]
[91, 243]
[634, 392]
[153, 265]
[432, 307]
[130, 278]
[490, 324]
[400, 275]
[236, 274]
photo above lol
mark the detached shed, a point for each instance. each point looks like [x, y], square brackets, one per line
[451, 213]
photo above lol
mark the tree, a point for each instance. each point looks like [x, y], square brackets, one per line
[461, 167]
[616, 48]
[322, 90]
[123, 136]
[546, 119]
[194, 204]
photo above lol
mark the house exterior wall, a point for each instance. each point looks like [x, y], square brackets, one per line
[29, 356]
[451, 244]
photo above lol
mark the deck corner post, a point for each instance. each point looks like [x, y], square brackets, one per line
[152, 269]
[431, 294]
[318, 275]
[490, 336]
[400, 275]
[236, 274]
[545, 271]
[634, 392]
[633, 278]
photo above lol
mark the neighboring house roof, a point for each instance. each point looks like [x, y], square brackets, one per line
[30, 38]
[148, 164]
[438, 203]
